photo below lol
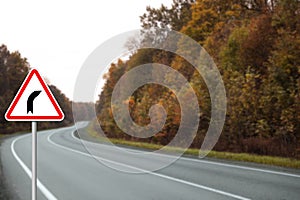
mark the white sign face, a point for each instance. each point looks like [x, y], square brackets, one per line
[34, 102]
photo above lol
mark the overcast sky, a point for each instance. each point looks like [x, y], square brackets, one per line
[57, 36]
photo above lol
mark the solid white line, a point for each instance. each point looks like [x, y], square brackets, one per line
[206, 162]
[149, 172]
[42, 188]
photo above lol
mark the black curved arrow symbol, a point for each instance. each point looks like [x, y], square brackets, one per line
[30, 99]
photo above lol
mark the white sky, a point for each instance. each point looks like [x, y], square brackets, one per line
[57, 36]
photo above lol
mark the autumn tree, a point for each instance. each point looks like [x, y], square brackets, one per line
[255, 44]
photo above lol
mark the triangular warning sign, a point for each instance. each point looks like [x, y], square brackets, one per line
[34, 101]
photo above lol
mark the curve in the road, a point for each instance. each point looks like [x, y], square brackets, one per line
[152, 173]
[213, 163]
[221, 180]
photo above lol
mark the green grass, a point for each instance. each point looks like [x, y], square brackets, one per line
[245, 157]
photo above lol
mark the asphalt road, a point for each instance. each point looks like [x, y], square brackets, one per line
[66, 170]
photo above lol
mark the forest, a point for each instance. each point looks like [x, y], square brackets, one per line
[256, 47]
[13, 70]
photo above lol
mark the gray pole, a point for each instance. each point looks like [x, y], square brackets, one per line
[34, 159]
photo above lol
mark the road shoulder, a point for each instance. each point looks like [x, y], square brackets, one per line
[5, 192]
[86, 136]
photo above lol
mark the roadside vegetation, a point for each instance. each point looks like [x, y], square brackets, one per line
[13, 70]
[245, 157]
[255, 45]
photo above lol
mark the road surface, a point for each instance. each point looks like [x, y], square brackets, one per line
[67, 171]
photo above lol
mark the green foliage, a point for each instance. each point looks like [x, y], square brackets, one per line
[256, 47]
[268, 160]
[231, 55]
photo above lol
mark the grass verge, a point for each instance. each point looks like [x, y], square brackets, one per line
[245, 157]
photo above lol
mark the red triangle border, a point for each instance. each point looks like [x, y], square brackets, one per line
[25, 83]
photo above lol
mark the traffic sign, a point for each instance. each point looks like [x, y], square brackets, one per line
[34, 101]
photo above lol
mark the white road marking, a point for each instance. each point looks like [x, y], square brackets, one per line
[149, 172]
[50, 195]
[204, 161]
[41, 186]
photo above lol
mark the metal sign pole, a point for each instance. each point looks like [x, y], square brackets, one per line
[34, 160]
[34, 88]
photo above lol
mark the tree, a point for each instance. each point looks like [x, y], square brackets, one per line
[255, 44]
[13, 70]
[168, 18]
